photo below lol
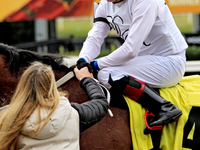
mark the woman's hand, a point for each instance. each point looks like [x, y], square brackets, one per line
[83, 72]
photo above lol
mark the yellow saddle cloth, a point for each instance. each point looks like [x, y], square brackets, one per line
[182, 134]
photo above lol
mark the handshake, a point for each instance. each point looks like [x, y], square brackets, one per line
[92, 67]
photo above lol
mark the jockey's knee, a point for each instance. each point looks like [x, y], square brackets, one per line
[103, 77]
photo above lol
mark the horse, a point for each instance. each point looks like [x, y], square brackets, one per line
[111, 133]
[116, 132]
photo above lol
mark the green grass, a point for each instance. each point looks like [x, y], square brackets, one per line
[76, 27]
[67, 53]
[62, 52]
[193, 53]
[184, 23]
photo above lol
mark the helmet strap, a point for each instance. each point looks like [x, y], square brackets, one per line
[117, 1]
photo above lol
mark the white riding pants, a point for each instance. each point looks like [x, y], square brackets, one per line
[156, 71]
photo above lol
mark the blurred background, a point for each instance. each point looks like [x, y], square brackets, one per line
[61, 26]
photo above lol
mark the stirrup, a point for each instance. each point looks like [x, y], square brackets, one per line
[148, 117]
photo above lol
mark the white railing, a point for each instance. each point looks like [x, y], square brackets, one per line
[192, 66]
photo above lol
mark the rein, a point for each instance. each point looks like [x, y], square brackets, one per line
[70, 75]
[65, 78]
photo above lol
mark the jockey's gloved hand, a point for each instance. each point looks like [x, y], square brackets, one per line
[95, 68]
[71, 68]
[82, 63]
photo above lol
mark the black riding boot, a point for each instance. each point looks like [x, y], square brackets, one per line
[164, 111]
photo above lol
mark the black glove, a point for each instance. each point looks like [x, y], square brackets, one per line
[71, 68]
[95, 68]
[82, 63]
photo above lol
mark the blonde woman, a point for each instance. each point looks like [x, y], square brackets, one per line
[40, 117]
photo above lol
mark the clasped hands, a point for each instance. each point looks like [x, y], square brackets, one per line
[92, 67]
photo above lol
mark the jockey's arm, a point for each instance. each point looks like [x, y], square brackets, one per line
[92, 45]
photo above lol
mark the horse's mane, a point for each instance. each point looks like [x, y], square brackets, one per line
[17, 57]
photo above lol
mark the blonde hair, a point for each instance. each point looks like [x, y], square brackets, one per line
[36, 89]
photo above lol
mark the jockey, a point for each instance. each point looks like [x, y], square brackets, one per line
[152, 55]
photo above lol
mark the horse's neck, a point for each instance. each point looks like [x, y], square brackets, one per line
[8, 83]
[76, 93]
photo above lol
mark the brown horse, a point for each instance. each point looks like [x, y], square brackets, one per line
[111, 133]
